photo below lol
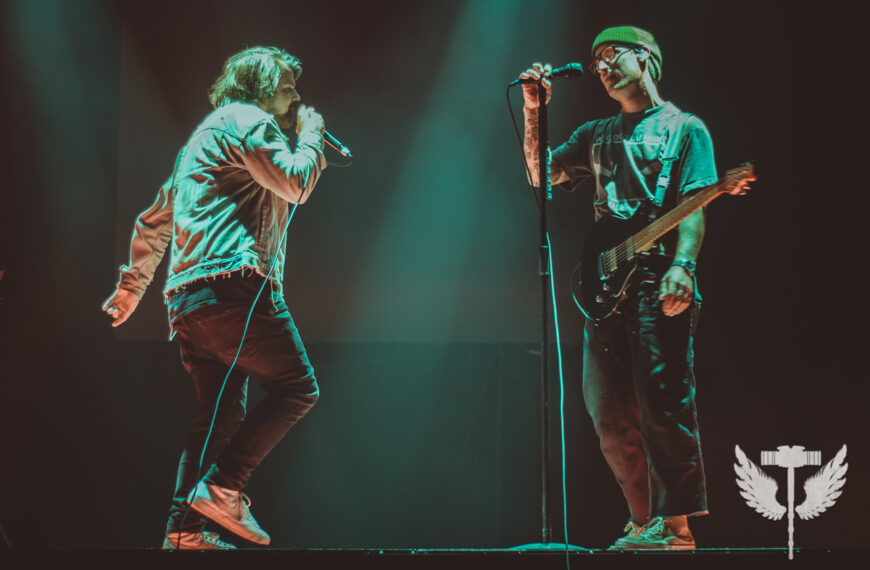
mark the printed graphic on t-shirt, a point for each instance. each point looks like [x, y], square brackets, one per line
[627, 169]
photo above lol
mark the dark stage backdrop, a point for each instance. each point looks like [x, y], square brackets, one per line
[412, 275]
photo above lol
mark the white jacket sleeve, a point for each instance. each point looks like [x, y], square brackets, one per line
[151, 236]
[291, 175]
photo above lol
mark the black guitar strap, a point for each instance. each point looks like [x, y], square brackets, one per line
[670, 154]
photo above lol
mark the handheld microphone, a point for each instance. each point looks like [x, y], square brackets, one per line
[564, 72]
[336, 144]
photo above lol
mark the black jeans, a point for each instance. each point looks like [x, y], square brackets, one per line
[639, 389]
[273, 354]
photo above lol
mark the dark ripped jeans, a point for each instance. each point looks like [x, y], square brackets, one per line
[273, 354]
[639, 389]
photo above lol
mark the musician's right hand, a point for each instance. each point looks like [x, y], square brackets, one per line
[309, 119]
[530, 90]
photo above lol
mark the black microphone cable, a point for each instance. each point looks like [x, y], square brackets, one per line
[232, 366]
[522, 149]
[244, 334]
[572, 72]
[342, 149]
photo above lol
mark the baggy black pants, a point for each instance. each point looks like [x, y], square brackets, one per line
[639, 389]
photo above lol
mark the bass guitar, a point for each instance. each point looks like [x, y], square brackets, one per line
[613, 247]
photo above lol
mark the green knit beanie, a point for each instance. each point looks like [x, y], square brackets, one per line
[636, 37]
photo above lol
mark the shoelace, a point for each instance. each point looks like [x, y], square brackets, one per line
[631, 529]
[654, 526]
[246, 500]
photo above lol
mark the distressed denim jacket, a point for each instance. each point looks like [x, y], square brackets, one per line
[226, 204]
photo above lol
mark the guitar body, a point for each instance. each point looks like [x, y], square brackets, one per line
[612, 248]
[597, 284]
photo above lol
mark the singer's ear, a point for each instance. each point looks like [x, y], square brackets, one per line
[642, 53]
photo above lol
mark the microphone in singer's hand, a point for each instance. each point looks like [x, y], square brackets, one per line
[336, 144]
[564, 72]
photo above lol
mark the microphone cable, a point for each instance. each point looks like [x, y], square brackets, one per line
[239, 350]
[538, 203]
[522, 148]
[232, 366]
[242, 342]
[561, 399]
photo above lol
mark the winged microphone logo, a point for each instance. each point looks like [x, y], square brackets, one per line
[822, 489]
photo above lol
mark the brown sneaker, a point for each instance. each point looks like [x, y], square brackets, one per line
[195, 541]
[228, 508]
[660, 533]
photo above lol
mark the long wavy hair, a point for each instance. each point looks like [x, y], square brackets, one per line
[252, 75]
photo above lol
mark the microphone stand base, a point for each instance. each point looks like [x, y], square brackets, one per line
[547, 546]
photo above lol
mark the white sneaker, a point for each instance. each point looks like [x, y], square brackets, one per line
[631, 530]
[228, 508]
[660, 533]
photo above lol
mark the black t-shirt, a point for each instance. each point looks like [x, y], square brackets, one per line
[624, 154]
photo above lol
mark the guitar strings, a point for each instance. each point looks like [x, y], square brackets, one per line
[647, 235]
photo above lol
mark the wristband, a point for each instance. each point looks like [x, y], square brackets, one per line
[686, 264]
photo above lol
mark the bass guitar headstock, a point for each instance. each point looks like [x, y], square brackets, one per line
[736, 181]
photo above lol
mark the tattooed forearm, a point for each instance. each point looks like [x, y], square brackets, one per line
[531, 145]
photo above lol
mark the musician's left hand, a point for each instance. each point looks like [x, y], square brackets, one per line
[120, 306]
[677, 291]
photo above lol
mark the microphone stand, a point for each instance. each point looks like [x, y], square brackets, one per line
[546, 278]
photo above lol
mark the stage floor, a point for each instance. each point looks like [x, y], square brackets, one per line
[413, 559]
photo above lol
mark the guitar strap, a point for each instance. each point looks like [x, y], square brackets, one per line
[670, 154]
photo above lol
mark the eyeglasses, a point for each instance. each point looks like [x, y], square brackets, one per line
[608, 56]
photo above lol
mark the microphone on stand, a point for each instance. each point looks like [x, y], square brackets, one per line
[566, 71]
[336, 144]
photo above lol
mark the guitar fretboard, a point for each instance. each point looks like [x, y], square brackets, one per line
[645, 238]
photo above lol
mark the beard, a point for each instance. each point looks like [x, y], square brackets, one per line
[287, 121]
